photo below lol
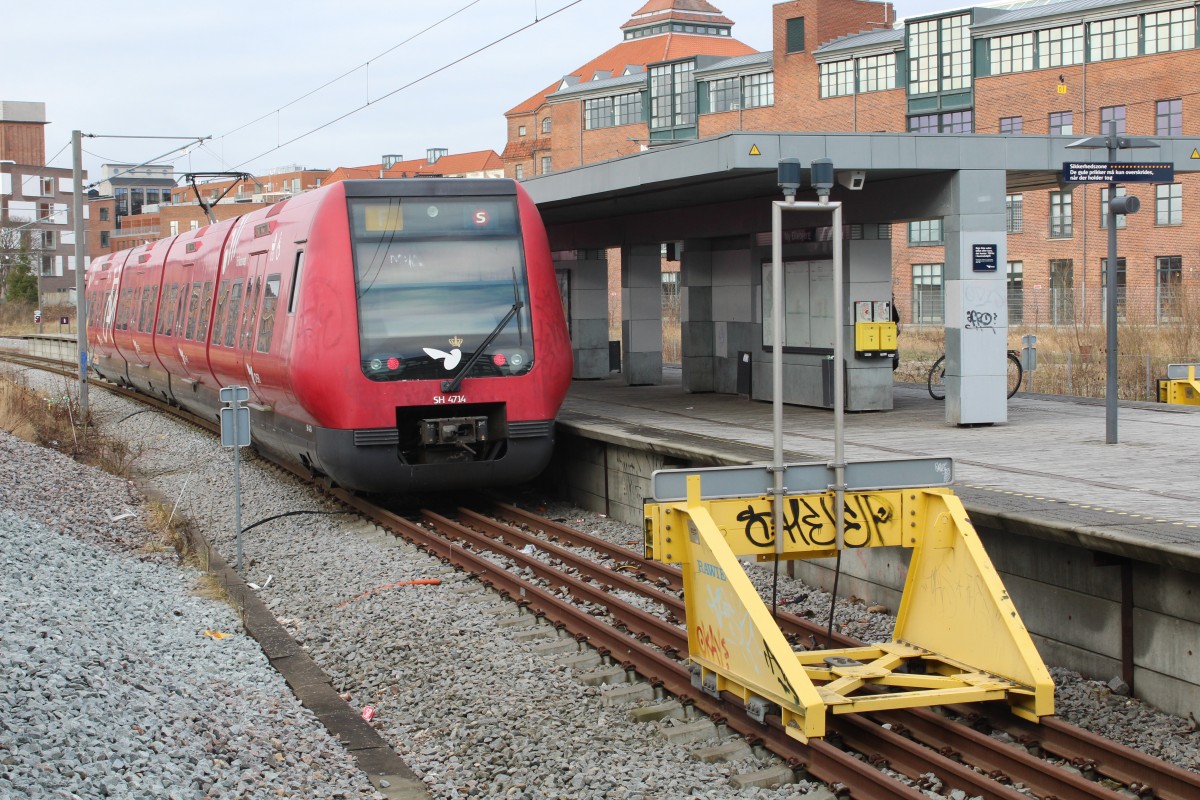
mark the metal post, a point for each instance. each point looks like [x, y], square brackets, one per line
[839, 387]
[237, 496]
[80, 293]
[777, 364]
[1110, 308]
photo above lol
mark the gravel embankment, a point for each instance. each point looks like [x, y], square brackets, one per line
[473, 711]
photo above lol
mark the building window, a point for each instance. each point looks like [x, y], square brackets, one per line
[519, 172]
[1104, 207]
[1171, 30]
[1062, 291]
[877, 73]
[928, 304]
[724, 95]
[1060, 47]
[1060, 215]
[521, 130]
[1016, 292]
[949, 122]
[1112, 120]
[1060, 123]
[627, 108]
[1168, 117]
[546, 125]
[104, 238]
[1169, 287]
[48, 240]
[1168, 204]
[673, 95]
[1113, 38]
[1014, 213]
[837, 78]
[598, 113]
[1120, 285]
[104, 214]
[925, 232]
[795, 35]
[546, 165]
[1012, 125]
[758, 91]
[1012, 53]
[939, 55]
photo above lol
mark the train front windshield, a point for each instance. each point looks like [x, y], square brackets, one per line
[437, 278]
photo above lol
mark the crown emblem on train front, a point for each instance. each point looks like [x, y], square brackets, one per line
[456, 341]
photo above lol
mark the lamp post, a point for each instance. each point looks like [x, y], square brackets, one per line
[1116, 207]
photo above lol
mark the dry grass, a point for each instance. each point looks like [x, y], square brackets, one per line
[17, 319]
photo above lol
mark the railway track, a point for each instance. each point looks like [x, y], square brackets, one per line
[630, 611]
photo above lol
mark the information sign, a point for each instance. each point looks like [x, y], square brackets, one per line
[983, 257]
[1088, 172]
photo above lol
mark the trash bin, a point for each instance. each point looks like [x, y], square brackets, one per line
[745, 368]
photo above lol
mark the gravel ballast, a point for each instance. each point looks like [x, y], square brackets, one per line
[474, 710]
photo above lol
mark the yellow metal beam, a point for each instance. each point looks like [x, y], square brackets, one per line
[958, 636]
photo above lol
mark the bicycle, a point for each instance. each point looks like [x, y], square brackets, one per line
[937, 376]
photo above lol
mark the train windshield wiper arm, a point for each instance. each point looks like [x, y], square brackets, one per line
[451, 386]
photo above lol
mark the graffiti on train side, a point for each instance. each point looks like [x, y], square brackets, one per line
[810, 521]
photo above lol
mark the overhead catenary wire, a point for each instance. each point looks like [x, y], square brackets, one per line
[411, 83]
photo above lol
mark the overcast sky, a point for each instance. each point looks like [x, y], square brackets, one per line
[235, 71]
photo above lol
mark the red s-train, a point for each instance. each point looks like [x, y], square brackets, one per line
[395, 335]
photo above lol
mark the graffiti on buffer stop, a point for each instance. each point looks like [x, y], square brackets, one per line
[810, 521]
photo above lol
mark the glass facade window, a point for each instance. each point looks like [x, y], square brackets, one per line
[1060, 47]
[1168, 117]
[597, 113]
[1169, 287]
[1104, 207]
[1012, 124]
[925, 232]
[627, 108]
[1060, 215]
[837, 78]
[1061, 124]
[1171, 30]
[1113, 38]
[956, 52]
[923, 57]
[949, 122]
[925, 123]
[1168, 204]
[1112, 120]
[928, 303]
[1016, 292]
[1012, 53]
[877, 73]
[1014, 213]
[673, 95]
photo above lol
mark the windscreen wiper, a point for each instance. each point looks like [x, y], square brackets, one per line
[451, 386]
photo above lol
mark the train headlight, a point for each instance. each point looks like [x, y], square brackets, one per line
[499, 360]
[393, 363]
[376, 365]
[516, 359]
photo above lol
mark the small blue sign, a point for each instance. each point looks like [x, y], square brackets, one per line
[983, 257]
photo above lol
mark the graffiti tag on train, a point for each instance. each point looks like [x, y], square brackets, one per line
[810, 520]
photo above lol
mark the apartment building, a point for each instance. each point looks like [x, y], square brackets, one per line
[35, 204]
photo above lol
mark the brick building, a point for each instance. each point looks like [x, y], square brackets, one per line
[1067, 67]
[35, 204]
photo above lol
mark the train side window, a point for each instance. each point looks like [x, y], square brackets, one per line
[219, 317]
[295, 281]
[251, 312]
[269, 301]
[149, 295]
[181, 306]
[235, 305]
[166, 312]
[205, 305]
[193, 312]
[126, 298]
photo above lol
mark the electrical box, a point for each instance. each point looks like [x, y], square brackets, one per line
[874, 330]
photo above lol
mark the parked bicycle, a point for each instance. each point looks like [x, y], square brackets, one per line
[937, 376]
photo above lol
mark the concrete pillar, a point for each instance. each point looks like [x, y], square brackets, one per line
[976, 291]
[696, 317]
[641, 314]
[587, 307]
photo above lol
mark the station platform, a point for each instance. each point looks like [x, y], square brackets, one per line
[1048, 463]
[1098, 544]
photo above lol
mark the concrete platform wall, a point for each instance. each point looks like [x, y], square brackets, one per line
[1069, 603]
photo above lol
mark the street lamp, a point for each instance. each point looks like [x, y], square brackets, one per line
[1116, 206]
